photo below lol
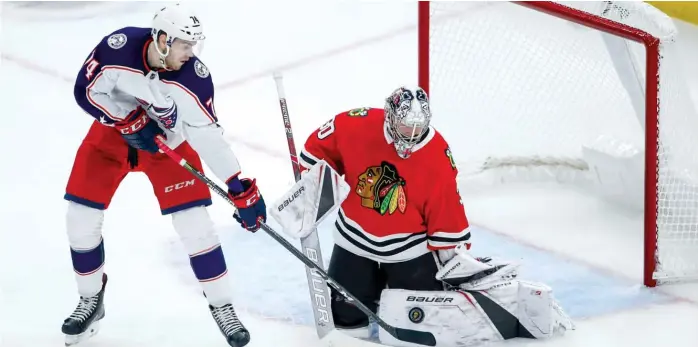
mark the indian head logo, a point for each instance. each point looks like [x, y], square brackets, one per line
[382, 189]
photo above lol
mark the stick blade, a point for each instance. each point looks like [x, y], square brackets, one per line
[419, 337]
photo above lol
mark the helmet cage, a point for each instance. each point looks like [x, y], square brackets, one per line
[407, 118]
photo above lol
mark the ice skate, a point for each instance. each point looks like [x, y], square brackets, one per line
[83, 323]
[235, 333]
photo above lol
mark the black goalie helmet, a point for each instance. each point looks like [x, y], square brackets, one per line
[407, 117]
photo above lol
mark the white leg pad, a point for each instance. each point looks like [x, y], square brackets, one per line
[453, 317]
[469, 318]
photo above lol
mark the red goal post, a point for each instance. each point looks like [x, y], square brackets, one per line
[451, 39]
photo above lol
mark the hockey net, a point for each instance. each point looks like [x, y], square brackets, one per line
[589, 92]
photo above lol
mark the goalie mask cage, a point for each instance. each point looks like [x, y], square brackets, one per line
[533, 83]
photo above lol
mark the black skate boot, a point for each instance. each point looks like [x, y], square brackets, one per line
[83, 323]
[230, 325]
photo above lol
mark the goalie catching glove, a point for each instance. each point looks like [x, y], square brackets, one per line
[485, 302]
[318, 193]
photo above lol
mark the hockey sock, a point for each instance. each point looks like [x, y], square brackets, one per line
[206, 258]
[88, 265]
[209, 264]
[84, 226]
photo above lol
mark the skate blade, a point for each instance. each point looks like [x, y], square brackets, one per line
[72, 340]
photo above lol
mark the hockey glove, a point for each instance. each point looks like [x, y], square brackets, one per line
[139, 130]
[250, 204]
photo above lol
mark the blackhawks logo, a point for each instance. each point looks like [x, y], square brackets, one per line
[358, 112]
[450, 158]
[382, 189]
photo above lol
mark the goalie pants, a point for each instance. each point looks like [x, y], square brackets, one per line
[365, 279]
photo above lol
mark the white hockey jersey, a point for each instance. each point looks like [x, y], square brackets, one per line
[116, 78]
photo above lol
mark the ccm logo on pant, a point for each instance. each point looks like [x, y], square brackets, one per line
[180, 185]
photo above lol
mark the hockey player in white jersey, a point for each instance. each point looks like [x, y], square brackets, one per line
[140, 83]
[485, 301]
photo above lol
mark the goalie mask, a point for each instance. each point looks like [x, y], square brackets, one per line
[407, 117]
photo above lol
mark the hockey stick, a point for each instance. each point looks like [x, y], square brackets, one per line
[310, 245]
[407, 335]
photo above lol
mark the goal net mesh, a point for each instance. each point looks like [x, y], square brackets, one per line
[524, 88]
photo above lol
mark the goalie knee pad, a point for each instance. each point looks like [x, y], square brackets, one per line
[195, 230]
[84, 228]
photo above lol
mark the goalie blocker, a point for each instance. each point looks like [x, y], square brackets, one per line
[318, 193]
[486, 302]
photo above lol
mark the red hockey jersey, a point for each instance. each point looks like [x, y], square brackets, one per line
[398, 209]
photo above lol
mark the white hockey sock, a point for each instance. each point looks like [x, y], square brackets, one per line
[84, 228]
[196, 232]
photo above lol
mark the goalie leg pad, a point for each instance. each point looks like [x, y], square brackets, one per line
[539, 312]
[464, 318]
[453, 317]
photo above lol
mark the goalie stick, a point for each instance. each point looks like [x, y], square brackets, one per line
[310, 245]
[407, 335]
